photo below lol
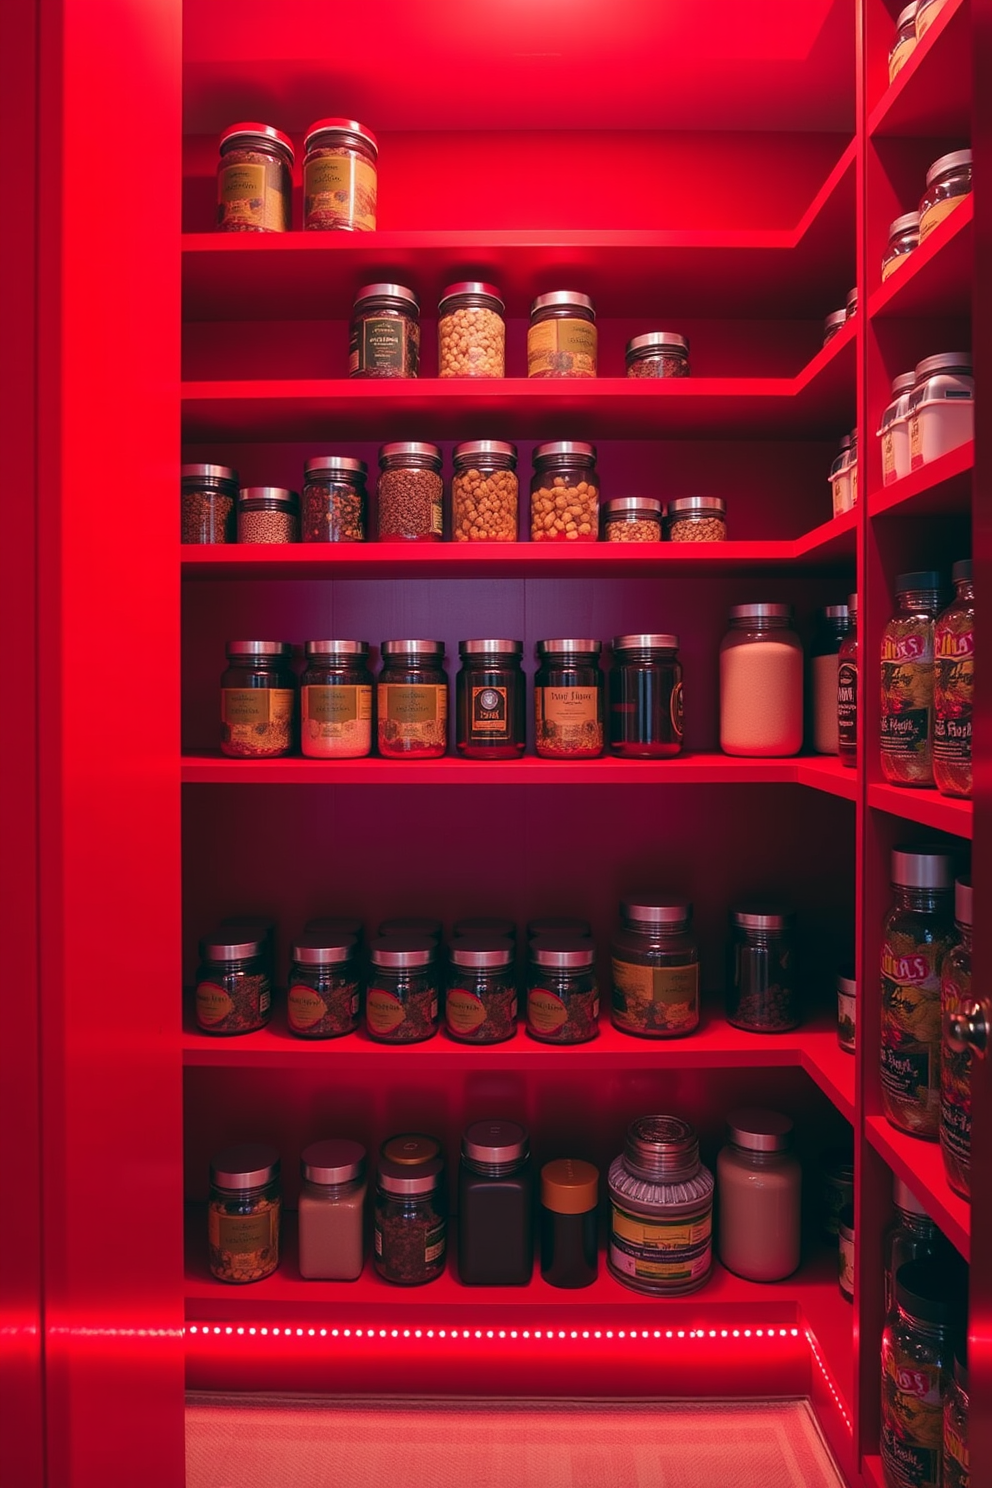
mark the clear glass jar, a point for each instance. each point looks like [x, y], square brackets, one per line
[334, 499]
[412, 700]
[255, 179]
[325, 986]
[658, 354]
[484, 492]
[257, 698]
[340, 177]
[480, 1006]
[956, 1064]
[841, 478]
[893, 430]
[411, 1213]
[646, 697]
[471, 336]
[385, 332]
[762, 984]
[761, 683]
[332, 1210]
[233, 992]
[209, 494]
[562, 992]
[904, 239]
[336, 701]
[917, 1368]
[268, 514]
[655, 967]
[403, 998]
[495, 1206]
[569, 1223]
[953, 686]
[243, 1213]
[834, 322]
[851, 307]
[564, 493]
[956, 1456]
[832, 626]
[568, 700]
[661, 1209]
[561, 337]
[927, 12]
[905, 42]
[632, 519]
[912, 1236]
[847, 1011]
[489, 699]
[759, 1183]
[948, 183]
[696, 519]
[917, 933]
[410, 493]
[906, 725]
[847, 690]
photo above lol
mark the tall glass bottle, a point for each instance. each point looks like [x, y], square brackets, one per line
[954, 663]
[847, 689]
[955, 1063]
[906, 726]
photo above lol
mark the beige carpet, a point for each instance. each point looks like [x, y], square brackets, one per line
[270, 1441]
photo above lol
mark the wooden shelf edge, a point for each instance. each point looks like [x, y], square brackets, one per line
[919, 1164]
[925, 806]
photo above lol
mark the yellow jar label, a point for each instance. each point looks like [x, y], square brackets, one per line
[463, 1010]
[304, 1006]
[545, 1011]
[888, 458]
[934, 215]
[340, 191]
[561, 348]
[383, 1011]
[248, 196]
[900, 55]
[336, 705]
[891, 264]
[255, 705]
[661, 1250]
[212, 1004]
[241, 1234]
[406, 703]
[925, 19]
[655, 999]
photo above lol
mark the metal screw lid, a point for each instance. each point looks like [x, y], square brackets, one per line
[646, 643]
[477, 449]
[490, 648]
[759, 1130]
[908, 222]
[480, 951]
[761, 612]
[387, 292]
[962, 901]
[394, 454]
[756, 915]
[558, 925]
[471, 287]
[337, 1160]
[658, 341]
[663, 1149]
[266, 133]
[569, 1186]
[495, 1142]
[399, 1178]
[944, 164]
[621, 506]
[568, 647]
[320, 948]
[341, 126]
[924, 865]
[413, 648]
[962, 570]
[835, 318]
[852, 301]
[923, 578]
[228, 945]
[410, 1149]
[412, 925]
[562, 297]
[280, 494]
[193, 473]
[649, 908]
[835, 612]
[558, 448]
[403, 950]
[485, 925]
[904, 1198]
[258, 648]
[682, 505]
[247, 1165]
[948, 362]
[331, 464]
[562, 951]
[337, 648]
[904, 383]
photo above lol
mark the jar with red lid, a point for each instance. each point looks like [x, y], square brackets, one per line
[412, 700]
[385, 332]
[403, 998]
[564, 493]
[562, 991]
[339, 177]
[471, 336]
[568, 700]
[490, 700]
[254, 179]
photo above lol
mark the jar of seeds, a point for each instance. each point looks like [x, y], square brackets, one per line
[762, 991]
[412, 700]
[325, 986]
[634, 519]
[696, 519]
[256, 700]
[484, 492]
[336, 701]
[254, 179]
[403, 998]
[243, 1213]
[209, 493]
[658, 354]
[562, 993]
[470, 331]
[334, 499]
[561, 337]
[481, 1002]
[385, 332]
[268, 514]
[410, 493]
[564, 493]
[340, 179]
[232, 984]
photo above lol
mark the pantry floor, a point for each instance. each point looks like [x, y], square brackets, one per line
[281, 1441]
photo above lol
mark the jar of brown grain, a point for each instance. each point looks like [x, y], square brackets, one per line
[410, 493]
[484, 492]
[268, 514]
[209, 493]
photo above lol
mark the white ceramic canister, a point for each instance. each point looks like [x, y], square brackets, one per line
[941, 407]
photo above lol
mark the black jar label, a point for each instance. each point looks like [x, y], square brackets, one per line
[489, 712]
[847, 704]
[383, 344]
[905, 733]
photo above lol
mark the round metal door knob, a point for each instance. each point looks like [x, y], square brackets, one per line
[967, 1030]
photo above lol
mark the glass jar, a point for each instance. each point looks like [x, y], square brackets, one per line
[562, 994]
[762, 985]
[658, 354]
[834, 322]
[832, 626]
[495, 1206]
[906, 725]
[336, 701]
[646, 697]
[334, 499]
[411, 1218]
[412, 700]
[403, 997]
[257, 699]
[561, 337]
[893, 430]
[564, 493]
[841, 478]
[325, 986]
[903, 239]
[489, 694]
[941, 407]
[209, 494]
[481, 1002]
[233, 992]
[846, 1252]
[917, 933]
[851, 307]
[255, 179]
[847, 689]
[917, 1367]
[661, 1209]
[471, 336]
[268, 514]
[655, 967]
[632, 519]
[568, 700]
[569, 1228]
[953, 686]
[905, 42]
[927, 12]
[912, 1236]
[847, 1011]
[696, 519]
[243, 1213]
[385, 332]
[955, 1454]
[759, 1182]
[484, 492]
[955, 1062]
[761, 683]
[410, 493]
[332, 1210]
[340, 177]
[948, 183]
[836, 1187]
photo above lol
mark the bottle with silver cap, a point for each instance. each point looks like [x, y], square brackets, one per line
[832, 626]
[761, 683]
[956, 1061]
[412, 701]
[495, 1206]
[762, 984]
[568, 700]
[257, 700]
[661, 1209]
[655, 967]
[332, 1210]
[658, 354]
[948, 183]
[404, 994]
[903, 239]
[561, 337]
[646, 697]
[334, 499]
[480, 1006]
[484, 491]
[759, 1185]
[325, 986]
[410, 1234]
[385, 332]
[471, 336]
[254, 179]
[233, 992]
[336, 701]
[911, 1236]
[209, 494]
[243, 1213]
[489, 700]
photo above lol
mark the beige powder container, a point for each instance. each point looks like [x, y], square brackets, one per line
[759, 1190]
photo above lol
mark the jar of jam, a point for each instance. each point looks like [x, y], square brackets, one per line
[268, 514]
[904, 239]
[953, 687]
[233, 993]
[471, 336]
[412, 699]
[481, 1002]
[254, 179]
[956, 1057]
[403, 997]
[948, 183]
[385, 332]
[410, 493]
[336, 701]
[561, 337]
[646, 697]
[257, 697]
[243, 1213]
[484, 492]
[562, 993]
[334, 499]
[655, 967]
[696, 519]
[490, 700]
[340, 177]
[564, 493]
[762, 986]
[209, 494]
[632, 519]
[411, 1214]
[568, 700]
[661, 1209]
[658, 354]
[325, 986]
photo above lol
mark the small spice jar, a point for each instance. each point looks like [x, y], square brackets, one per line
[412, 699]
[569, 1212]
[209, 494]
[658, 354]
[480, 1006]
[948, 183]
[646, 697]
[836, 1187]
[632, 519]
[917, 1369]
[561, 337]
[385, 332]
[905, 43]
[956, 1456]
[233, 992]
[484, 491]
[257, 699]
[564, 493]
[403, 997]
[254, 179]
[334, 499]
[336, 701]
[410, 493]
[655, 967]
[953, 686]
[325, 986]
[471, 336]
[340, 177]
[759, 1183]
[956, 1056]
[332, 1210]
[568, 700]
[495, 1206]
[696, 519]
[761, 683]
[243, 1213]
[847, 689]
[847, 1011]
[562, 994]
[762, 991]
[834, 323]
[411, 1219]
[268, 514]
[893, 430]
[907, 674]
[661, 1203]
[903, 239]
[489, 700]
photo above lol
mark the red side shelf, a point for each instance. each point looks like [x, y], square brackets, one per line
[932, 93]
[936, 278]
[939, 489]
[920, 1164]
[926, 806]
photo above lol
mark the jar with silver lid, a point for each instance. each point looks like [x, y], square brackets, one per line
[412, 700]
[495, 1205]
[334, 499]
[332, 1210]
[325, 985]
[893, 430]
[842, 478]
[941, 407]
[340, 178]
[904, 239]
[209, 494]
[762, 986]
[480, 1006]
[268, 514]
[948, 183]
[696, 519]
[255, 179]
[484, 491]
[561, 337]
[905, 43]
[410, 492]
[634, 519]
[562, 992]
[471, 336]
[336, 701]
[233, 992]
[489, 700]
[759, 1181]
[257, 700]
[385, 332]
[834, 323]
[658, 354]
[243, 1213]
[761, 683]
[655, 967]
[403, 998]
[851, 307]
[661, 1209]
[646, 697]
[568, 700]
[564, 493]
[411, 1214]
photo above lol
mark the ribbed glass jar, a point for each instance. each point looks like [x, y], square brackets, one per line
[562, 991]
[632, 519]
[696, 519]
[209, 498]
[480, 1006]
[661, 1200]
[324, 996]
[233, 991]
[411, 1214]
[484, 492]
[410, 493]
[268, 514]
[471, 336]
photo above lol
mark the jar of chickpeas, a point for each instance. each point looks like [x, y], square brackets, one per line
[484, 492]
[564, 493]
[470, 332]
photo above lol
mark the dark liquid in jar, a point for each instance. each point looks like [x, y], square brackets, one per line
[646, 709]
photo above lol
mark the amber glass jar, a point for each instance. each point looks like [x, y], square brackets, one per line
[403, 998]
[561, 337]
[562, 992]
[257, 700]
[956, 1062]
[564, 493]
[334, 499]
[948, 183]
[632, 519]
[906, 728]
[953, 688]
[481, 1002]
[243, 1213]
[254, 179]
[471, 335]
[646, 697]
[490, 700]
[410, 492]
[233, 993]
[568, 700]
[385, 332]
[655, 967]
[484, 491]
[336, 701]
[325, 986]
[339, 177]
[658, 354]
[209, 495]
[412, 700]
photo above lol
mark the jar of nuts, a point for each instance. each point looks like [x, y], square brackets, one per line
[385, 332]
[484, 492]
[561, 337]
[410, 493]
[208, 496]
[658, 354]
[696, 519]
[564, 493]
[470, 332]
[339, 177]
[268, 514]
[634, 519]
[257, 697]
[254, 179]
[334, 499]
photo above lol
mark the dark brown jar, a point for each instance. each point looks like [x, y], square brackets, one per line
[233, 994]
[412, 700]
[568, 700]
[562, 993]
[490, 700]
[481, 1002]
[402, 1002]
[569, 1228]
[495, 1206]
[411, 1216]
[385, 332]
[257, 700]
[646, 697]
[209, 495]
[334, 499]
[325, 986]
[254, 179]
[340, 178]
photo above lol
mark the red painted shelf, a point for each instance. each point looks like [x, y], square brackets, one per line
[941, 488]
[932, 93]
[919, 1163]
[936, 279]
[925, 806]
[871, 1468]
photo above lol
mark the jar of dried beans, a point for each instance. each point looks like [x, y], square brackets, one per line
[948, 183]
[561, 337]
[325, 986]
[696, 519]
[661, 1209]
[410, 493]
[385, 332]
[956, 1057]
[906, 726]
[336, 701]
[481, 1002]
[470, 332]
[339, 176]
[334, 499]
[209, 493]
[904, 239]
[762, 987]
[412, 700]
[562, 993]
[484, 492]
[646, 697]
[658, 354]
[490, 700]
[953, 687]
[255, 179]
[233, 994]
[632, 519]
[256, 700]
[568, 700]
[403, 997]
[761, 683]
[411, 1213]
[268, 514]
[243, 1213]
[564, 493]
[655, 967]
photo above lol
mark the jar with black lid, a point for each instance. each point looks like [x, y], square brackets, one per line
[480, 1006]
[340, 178]
[325, 985]
[403, 998]
[655, 967]
[268, 514]
[243, 1213]
[562, 992]
[564, 492]
[762, 990]
[569, 1228]
[336, 701]
[632, 519]
[254, 179]
[484, 491]
[495, 1206]
[334, 499]
[661, 1202]
[233, 992]
[568, 700]
[471, 336]
[646, 697]
[410, 493]
[385, 332]
[257, 698]
[412, 700]
[490, 700]
[411, 1213]
[658, 354]
[209, 497]
[917, 1371]
[561, 337]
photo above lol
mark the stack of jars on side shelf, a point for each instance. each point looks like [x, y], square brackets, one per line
[932, 412]
[948, 184]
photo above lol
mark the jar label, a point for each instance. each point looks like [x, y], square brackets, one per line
[568, 720]
[489, 712]
[339, 190]
[383, 1011]
[655, 999]
[676, 710]
[561, 348]
[915, 442]
[336, 705]
[888, 455]
[256, 705]
[411, 704]
[383, 344]
[434, 1243]
[890, 265]
[213, 1004]
[678, 1251]
[546, 1012]
[906, 732]
[240, 1234]
[464, 1010]
[250, 196]
[847, 1020]
[912, 1421]
[847, 704]
[845, 1266]
[905, 1074]
[953, 692]
[934, 215]
[304, 1006]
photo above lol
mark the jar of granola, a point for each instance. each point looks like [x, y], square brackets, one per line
[340, 178]
[632, 519]
[385, 332]
[403, 997]
[410, 492]
[243, 1213]
[906, 725]
[953, 687]
[412, 700]
[696, 519]
[948, 183]
[658, 354]
[484, 491]
[568, 700]
[561, 337]
[254, 179]
[334, 499]
[480, 1006]
[471, 335]
[233, 993]
[956, 1057]
[209, 493]
[256, 700]
[564, 493]
[324, 986]
[336, 701]
[562, 994]
[904, 239]
[655, 967]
